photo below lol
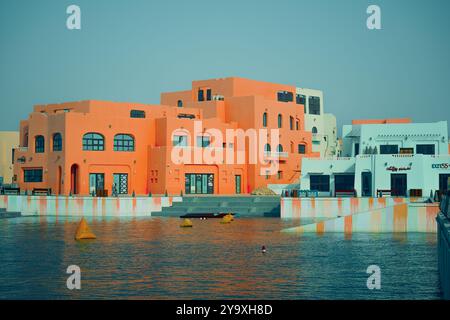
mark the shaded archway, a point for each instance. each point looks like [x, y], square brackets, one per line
[74, 179]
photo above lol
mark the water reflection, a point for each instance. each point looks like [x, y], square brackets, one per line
[152, 258]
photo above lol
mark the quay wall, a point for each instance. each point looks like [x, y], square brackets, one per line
[443, 236]
[399, 217]
[297, 208]
[85, 206]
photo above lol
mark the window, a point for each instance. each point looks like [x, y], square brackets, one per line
[39, 144]
[180, 141]
[93, 142]
[32, 175]
[57, 142]
[389, 149]
[285, 96]
[180, 103]
[291, 123]
[203, 141]
[280, 121]
[406, 150]
[208, 94]
[280, 175]
[319, 183]
[265, 119]
[314, 105]
[344, 182]
[300, 99]
[201, 96]
[137, 114]
[280, 148]
[425, 149]
[301, 149]
[356, 149]
[123, 142]
[120, 183]
[314, 130]
[267, 148]
[297, 125]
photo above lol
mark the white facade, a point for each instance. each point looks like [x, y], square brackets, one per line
[398, 173]
[322, 125]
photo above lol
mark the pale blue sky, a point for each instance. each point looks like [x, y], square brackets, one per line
[131, 50]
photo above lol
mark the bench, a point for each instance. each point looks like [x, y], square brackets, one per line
[10, 191]
[42, 191]
[345, 193]
[381, 192]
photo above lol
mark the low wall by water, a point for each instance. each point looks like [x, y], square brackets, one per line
[296, 208]
[398, 217]
[85, 206]
[443, 235]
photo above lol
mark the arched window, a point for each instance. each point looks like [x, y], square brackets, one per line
[301, 149]
[267, 148]
[57, 142]
[180, 103]
[93, 142]
[265, 119]
[291, 123]
[314, 130]
[280, 121]
[39, 144]
[123, 142]
[280, 148]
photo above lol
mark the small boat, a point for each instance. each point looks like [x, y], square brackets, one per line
[206, 215]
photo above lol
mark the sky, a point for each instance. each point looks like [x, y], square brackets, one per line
[132, 50]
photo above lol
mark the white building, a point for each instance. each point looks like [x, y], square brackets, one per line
[392, 156]
[322, 125]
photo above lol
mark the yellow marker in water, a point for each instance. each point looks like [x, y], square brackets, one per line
[227, 219]
[186, 224]
[83, 231]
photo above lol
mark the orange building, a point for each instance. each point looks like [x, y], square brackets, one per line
[124, 148]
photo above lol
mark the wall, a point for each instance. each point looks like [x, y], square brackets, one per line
[297, 208]
[85, 206]
[443, 235]
[8, 141]
[397, 217]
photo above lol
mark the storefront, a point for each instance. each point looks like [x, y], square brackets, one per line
[199, 183]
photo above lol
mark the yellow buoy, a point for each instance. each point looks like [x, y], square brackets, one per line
[231, 216]
[186, 224]
[227, 219]
[83, 231]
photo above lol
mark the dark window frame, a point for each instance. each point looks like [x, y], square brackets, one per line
[57, 142]
[39, 144]
[314, 105]
[124, 142]
[389, 149]
[423, 149]
[137, 114]
[34, 175]
[319, 182]
[93, 141]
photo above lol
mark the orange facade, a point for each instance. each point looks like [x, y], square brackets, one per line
[125, 148]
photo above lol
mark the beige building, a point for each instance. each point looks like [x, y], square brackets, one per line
[8, 141]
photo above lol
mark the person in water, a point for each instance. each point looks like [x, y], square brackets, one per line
[263, 249]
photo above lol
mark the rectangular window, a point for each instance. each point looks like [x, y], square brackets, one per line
[208, 94]
[344, 182]
[285, 96]
[180, 141]
[300, 99]
[203, 141]
[280, 175]
[388, 149]
[356, 149]
[319, 183]
[314, 105]
[201, 96]
[406, 150]
[32, 175]
[137, 114]
[425, 149]
[301, 149]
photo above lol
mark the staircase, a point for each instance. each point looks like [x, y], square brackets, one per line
[244, 206]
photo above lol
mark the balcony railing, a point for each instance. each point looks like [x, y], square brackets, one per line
[275, 154]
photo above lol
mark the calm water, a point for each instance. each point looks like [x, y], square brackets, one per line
[153, 258]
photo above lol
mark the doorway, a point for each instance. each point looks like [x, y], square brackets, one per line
[196, 183]
[96, 183]
[366, 184]
[237, 183]
[398, 184]
[74, 176]
[444, 182]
